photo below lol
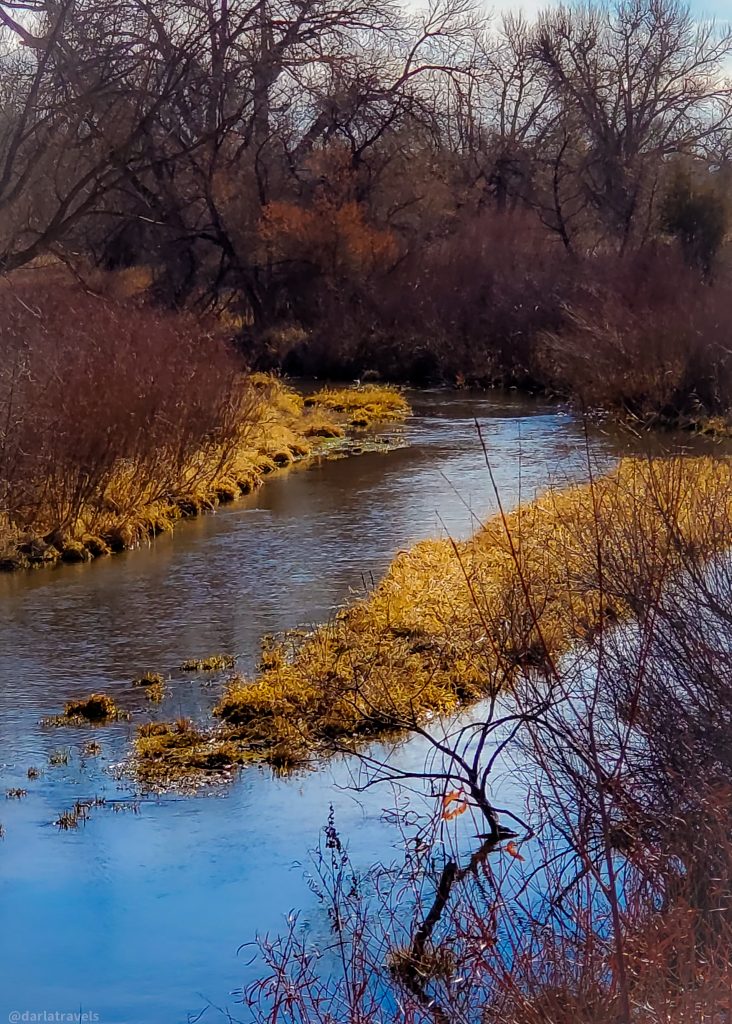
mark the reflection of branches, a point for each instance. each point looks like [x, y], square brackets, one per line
[412, 968]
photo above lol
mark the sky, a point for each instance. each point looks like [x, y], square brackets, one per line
[720, 10]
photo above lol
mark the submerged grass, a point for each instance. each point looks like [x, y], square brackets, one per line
[451, 622]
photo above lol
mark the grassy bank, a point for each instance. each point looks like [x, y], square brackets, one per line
[452, 623]
[123, 420]
[275, 428]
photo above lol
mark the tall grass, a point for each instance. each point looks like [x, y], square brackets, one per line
[453, 623]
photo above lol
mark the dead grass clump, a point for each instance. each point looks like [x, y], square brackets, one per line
[214, 663]
[155, 693]
[363, 405]
[96, 709]
[148, 679]
[96, 546]
[153, 684]
[172, 753]
[322, 427]
[74, 551]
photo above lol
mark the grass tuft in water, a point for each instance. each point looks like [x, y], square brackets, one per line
[169, 753]
[363, 405]
[79, 813]
[95, 709]
[214, 663]
[154, 685]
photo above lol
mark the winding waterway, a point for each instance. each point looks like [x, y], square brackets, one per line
[137, 916]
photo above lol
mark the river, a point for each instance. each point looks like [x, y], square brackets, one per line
[137, 916]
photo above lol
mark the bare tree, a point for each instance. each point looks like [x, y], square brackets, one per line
[645, 81]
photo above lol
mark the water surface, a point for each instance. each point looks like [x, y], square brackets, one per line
[137, 917]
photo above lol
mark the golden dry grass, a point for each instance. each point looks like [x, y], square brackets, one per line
[453, 622]
[363, 405]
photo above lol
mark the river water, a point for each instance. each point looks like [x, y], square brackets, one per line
[136, 917]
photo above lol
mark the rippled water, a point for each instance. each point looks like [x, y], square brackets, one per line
[137, 917]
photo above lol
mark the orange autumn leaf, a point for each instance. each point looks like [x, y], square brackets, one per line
[454, 797]
[512, 850]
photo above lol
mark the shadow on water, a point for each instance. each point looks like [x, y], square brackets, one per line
[137, 917]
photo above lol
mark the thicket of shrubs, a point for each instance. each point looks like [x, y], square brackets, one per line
[119, 418]
[501, 302]
[106, 408]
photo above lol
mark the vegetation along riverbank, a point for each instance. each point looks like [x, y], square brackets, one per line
[569, 235]
[455, 622]
[120, 420]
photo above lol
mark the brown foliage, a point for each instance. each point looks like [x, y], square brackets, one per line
[646, 337]
[104, 405]
[335, 237]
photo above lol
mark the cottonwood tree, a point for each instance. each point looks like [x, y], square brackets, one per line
[268, 88]
[643, 80]
[79, 84]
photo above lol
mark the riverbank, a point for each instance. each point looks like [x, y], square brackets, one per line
[271, 428]
[454, 622]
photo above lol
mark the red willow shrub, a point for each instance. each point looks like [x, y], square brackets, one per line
[93, 391]
[466, 303]
[645, 336]
[494, 298]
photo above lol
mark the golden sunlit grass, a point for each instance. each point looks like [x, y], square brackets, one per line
[452, 622]
[270, 427]
[363, 405]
